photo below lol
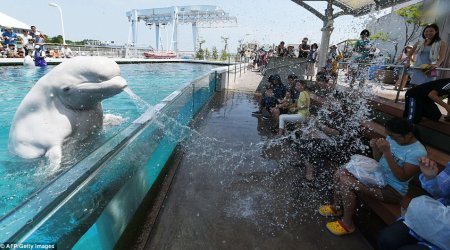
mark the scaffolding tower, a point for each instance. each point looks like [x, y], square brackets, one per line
[200, 16]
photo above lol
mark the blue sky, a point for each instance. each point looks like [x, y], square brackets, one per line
[266, 21]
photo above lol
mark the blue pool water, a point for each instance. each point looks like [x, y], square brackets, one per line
[18, 177]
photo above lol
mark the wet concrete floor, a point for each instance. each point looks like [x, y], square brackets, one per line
[239, 187]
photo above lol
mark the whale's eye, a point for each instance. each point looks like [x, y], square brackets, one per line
[66, 89]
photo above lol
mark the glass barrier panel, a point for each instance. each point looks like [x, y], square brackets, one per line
[92, 209]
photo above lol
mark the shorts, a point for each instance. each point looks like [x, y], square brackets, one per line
[390, 195]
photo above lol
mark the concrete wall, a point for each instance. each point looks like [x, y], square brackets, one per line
[394, 26]
[283, 67]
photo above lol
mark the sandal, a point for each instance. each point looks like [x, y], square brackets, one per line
[339, 228]
[329, 210]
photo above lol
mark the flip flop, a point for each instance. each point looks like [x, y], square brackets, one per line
[338, 228]
[329, 210]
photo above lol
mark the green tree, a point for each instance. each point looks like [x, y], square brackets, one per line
[383, 36]
[413, 16]
[200, 54]
[215, 53]
[55, 39]
[224, 55]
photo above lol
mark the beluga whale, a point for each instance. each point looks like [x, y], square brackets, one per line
[64, 104]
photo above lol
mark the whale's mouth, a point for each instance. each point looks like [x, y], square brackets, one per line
[114, 86]
[88, 95]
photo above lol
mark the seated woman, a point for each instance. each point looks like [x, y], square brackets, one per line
[284, 106]
[397, 156]
[11, 51]
[426, 224]
[269, 101]
[300, 110]
[293, 96]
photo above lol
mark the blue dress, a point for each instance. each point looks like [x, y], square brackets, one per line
[417, 76]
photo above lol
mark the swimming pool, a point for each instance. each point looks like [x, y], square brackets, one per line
[133, 142]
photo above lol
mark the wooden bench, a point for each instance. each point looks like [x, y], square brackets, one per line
[389, 212]
[396, 109]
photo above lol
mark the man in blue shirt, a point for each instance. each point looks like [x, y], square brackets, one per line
[9, 36]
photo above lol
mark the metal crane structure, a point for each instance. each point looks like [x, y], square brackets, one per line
[200, 16]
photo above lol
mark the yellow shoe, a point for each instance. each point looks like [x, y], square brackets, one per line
[338, 228]
[329, 210]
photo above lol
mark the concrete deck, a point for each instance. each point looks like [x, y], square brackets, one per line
[239, 187]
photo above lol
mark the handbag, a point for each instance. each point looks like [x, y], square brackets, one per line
[366, 170]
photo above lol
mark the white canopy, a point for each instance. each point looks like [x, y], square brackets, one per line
[7, 21]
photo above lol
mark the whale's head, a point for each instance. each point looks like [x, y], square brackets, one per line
[82, 82]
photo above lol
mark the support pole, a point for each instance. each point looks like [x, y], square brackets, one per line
[194, 35]
[157, 36]
[326, 33]
[175, 30]
[134, 21]
[240, 67]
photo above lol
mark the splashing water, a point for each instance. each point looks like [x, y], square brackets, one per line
[141, 105]
[265, 180]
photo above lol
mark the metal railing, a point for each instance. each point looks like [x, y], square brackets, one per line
[97, 50]
[404, 71]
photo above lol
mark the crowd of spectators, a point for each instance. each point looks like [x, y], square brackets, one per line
[29, 43]
[399, 157]
[425, 223]
[306, 51]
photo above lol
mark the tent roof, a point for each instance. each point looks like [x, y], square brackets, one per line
[7, 21]
[351, 7]
[362, 7]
